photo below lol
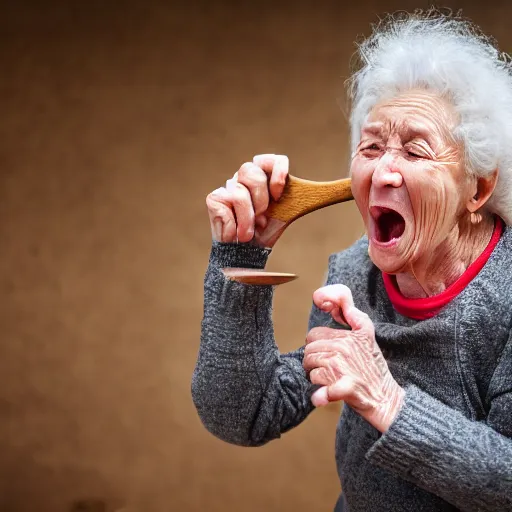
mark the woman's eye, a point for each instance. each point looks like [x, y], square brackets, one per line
[370, 150]
[412, 154]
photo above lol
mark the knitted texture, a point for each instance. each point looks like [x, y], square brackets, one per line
[450, 447]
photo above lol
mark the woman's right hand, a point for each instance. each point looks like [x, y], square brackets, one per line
[238, 211]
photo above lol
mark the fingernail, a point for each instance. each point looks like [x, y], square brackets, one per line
[327, 305]
[261, 221]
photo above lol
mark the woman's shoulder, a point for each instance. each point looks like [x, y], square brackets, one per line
[506, 239]
[350, 264]
[496, 271]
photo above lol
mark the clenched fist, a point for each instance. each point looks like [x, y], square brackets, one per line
[348, 364]
[237, 211]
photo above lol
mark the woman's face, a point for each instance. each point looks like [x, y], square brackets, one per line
[408, 179]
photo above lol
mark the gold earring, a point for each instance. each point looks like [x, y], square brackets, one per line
[475, 218]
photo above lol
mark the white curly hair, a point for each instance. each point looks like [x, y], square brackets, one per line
[450, 56]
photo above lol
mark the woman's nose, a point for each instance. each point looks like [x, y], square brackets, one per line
[386, 173]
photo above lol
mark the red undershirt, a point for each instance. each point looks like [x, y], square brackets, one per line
[421, 309]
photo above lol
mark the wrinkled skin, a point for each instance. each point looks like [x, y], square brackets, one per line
[407, 161]
[348, 365]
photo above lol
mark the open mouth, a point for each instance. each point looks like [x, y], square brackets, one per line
[388, 224]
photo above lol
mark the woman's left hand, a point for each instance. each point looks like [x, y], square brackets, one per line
[348, 364]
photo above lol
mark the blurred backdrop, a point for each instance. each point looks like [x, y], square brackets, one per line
[116, 120]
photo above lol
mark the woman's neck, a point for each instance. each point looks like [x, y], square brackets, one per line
[434, 273]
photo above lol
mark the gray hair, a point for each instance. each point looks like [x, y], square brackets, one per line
[449, 56]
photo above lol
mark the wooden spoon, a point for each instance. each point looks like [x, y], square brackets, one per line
[299, 198]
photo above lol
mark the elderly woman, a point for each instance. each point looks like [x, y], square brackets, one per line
[413, 329]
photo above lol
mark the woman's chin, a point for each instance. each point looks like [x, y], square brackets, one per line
[387, 256]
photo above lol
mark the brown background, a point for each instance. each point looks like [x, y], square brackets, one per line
[116, 120]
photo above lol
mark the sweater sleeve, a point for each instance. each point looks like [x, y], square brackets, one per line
[244, 390]
[467, 463]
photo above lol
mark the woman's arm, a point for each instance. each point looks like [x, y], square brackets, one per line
[467, 463]
[244, 390]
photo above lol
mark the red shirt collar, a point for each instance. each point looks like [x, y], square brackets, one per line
[421, 309]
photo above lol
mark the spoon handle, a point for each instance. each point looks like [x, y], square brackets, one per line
[301, 197]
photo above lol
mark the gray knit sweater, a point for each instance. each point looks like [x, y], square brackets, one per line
[450, 447]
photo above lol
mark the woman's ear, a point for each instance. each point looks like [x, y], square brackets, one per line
[483, 189]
